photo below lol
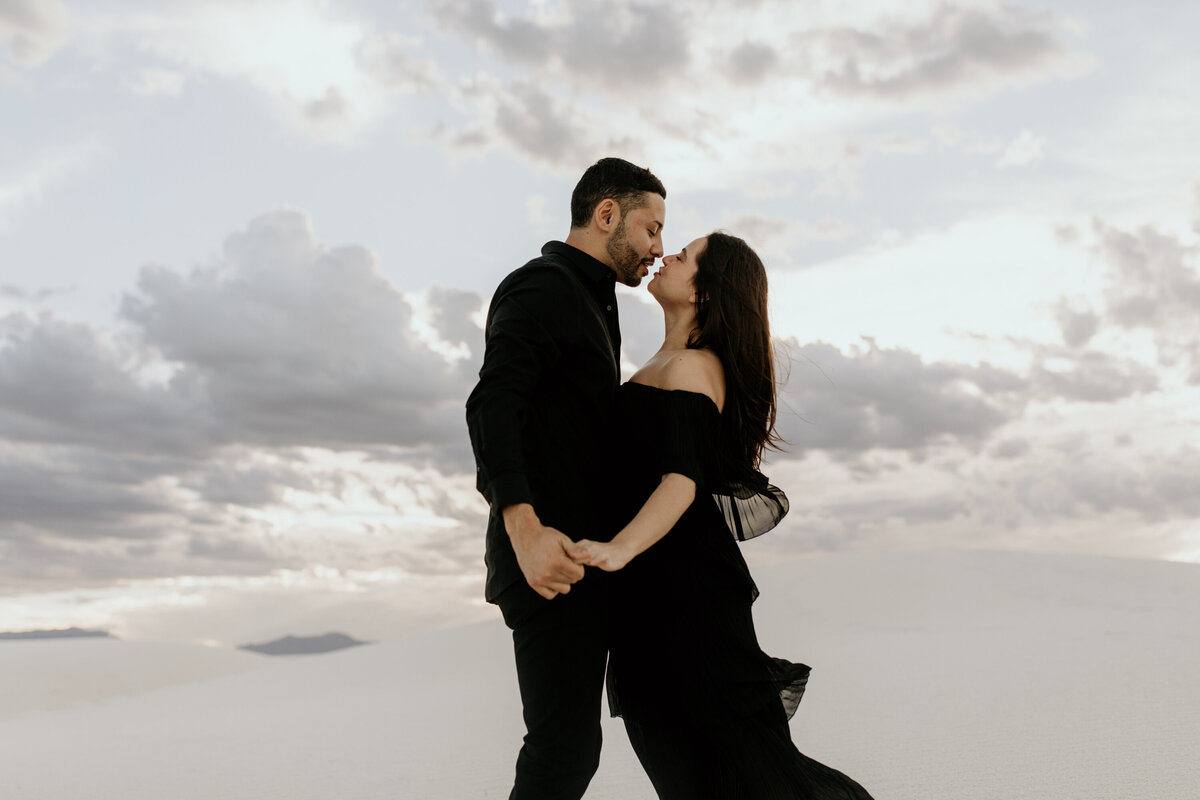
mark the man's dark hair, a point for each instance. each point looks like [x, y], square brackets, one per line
[626, 183]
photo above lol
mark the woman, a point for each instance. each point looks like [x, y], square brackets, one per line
[705, 708]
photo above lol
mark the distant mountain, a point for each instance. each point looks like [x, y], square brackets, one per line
[303, 645]
[58, 633]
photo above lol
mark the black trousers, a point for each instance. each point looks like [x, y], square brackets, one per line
[561, 649]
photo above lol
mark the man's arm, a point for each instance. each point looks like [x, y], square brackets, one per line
[547, 557]
[531, 317]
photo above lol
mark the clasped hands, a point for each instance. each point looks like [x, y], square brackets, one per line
[550, 561]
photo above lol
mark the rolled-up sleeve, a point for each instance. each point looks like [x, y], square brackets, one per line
[532, 319]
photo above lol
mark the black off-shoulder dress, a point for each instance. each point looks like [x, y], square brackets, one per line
[706, 710]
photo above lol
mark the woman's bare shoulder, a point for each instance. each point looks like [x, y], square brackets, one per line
[696, 371]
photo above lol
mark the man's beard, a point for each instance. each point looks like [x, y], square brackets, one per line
[625, 259]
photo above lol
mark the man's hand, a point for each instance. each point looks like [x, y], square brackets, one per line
[545, 555]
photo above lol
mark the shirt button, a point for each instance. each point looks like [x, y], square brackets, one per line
[609, 308]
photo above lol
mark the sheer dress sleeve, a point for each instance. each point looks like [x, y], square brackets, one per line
[750, 504]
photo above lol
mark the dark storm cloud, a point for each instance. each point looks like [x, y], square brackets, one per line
[388, 58]
[1196, 207]
[251, 484]
[1152, 279]
[1082, 481]
[28, 295]
[534, 123]
[605, 44]
[331, 107]
[751, 62]
[892, 398]
[1153, 284]
[523, 117]
[284, 343]
[1010, 448]
[168, 429]
[453, 309]
[1078, 326]
[1093, 377]
[292, 343]
[50, 488]
[224, 547]
[850, 402]
[954, 47]
[66, 383]
[83, 493]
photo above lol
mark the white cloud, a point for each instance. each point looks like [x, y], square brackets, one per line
[28, 183]
[927, 292]
[762, 189]
[773, 234]
[535, 205]
[1024, 149]
[328, 73]
[156, 81]
[31, 31]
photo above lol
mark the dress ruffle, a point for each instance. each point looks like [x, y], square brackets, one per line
[751, 505]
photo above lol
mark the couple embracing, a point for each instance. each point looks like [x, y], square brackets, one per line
[616, 509]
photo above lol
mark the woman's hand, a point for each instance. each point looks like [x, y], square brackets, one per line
[608, 556]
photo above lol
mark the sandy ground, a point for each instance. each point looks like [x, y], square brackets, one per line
[936, 676]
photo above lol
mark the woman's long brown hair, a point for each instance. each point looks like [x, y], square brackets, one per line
[731, 320]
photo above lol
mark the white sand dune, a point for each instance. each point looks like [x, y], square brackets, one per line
[936, 676]
[46, 674]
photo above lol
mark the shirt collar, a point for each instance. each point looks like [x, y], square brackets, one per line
[595, 270]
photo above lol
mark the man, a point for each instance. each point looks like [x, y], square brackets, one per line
[538, 420]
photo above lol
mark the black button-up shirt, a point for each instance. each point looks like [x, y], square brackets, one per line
[540, 416]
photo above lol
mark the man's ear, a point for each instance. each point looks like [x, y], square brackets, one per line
[607, 215]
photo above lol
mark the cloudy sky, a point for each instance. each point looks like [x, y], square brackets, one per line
[245, 246]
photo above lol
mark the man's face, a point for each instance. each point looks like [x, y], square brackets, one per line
[637, 240]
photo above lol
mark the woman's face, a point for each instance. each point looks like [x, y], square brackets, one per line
[673, 282]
